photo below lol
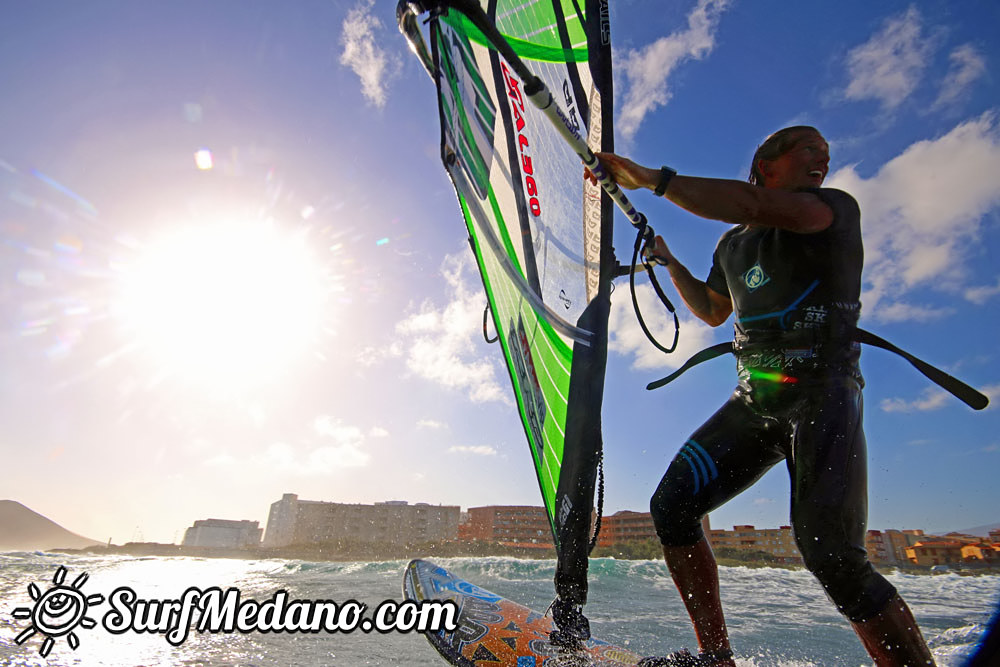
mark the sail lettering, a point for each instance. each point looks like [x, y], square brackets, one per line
[516, 99]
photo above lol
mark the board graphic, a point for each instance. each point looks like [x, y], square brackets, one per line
[496, 632]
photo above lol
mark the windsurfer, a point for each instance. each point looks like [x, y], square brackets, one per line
[790, 272]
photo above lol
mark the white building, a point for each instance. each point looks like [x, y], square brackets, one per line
[223, 533]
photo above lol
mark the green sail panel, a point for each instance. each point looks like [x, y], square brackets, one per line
[540, 232]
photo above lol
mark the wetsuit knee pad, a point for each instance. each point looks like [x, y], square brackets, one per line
[677, 523]
[848, 578]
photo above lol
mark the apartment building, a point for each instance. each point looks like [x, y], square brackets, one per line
[889, 547]
[528, 525]
[983, 552]
[507, 524]
[295, 522]
[935, 552]
[778, 542]
[626, 526]
[878, 547]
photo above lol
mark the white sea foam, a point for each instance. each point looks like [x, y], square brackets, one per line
[777, 617]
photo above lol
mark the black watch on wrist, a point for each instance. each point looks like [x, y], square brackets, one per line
[666, 173]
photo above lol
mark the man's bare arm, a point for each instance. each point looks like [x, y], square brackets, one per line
[704, 302]
[725, 200]
[740, 203]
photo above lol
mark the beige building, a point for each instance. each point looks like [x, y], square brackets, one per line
[779, 542]
[223, 533]
[983, 552]
[292, 522]
[878, 547]
[935, 552]
[889, 547]
[626, 526]
[508, 524]
[913, 547]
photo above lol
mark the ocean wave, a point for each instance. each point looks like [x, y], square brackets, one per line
[777, 617]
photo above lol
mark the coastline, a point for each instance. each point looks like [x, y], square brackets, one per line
[348, 551]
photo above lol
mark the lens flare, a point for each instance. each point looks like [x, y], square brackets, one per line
[203, 159]
[772, 376]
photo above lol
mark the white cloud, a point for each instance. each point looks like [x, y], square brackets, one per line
[325, 460]
[444, 345]
[888, 66]
[360, 36]
[982, 293]
[922, 213]
[931, 398]
[478, 450]
[934, 398]
[222, 460]
[431, 424]
[345, 451]
[899, 311]
[647, 70]
[967, 65]
[281, 458]
[627, 338]
[371, 356]
[992, 392]
[332, 427]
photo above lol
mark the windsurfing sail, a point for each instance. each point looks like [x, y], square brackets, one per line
[540, 232]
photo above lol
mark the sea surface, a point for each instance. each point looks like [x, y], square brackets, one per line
[776, 617]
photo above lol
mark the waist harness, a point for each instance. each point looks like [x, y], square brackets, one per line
[810, 338]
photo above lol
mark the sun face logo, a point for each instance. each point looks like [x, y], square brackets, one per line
[755, 278]
[57, 612]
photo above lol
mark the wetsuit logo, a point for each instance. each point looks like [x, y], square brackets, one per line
[755, 278]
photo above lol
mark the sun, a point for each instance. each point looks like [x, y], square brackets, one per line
[225, 305]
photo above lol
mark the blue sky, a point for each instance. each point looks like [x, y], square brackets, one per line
[233, 266]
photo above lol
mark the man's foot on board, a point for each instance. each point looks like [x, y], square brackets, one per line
[572, 627]
[683, 658]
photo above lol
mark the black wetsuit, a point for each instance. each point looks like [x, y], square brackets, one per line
[795, 300]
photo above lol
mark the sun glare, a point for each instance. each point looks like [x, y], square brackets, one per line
[225, 305]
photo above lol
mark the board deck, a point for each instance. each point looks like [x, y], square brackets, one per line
[496, 632]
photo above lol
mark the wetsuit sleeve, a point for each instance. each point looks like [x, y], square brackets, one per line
[841, 246]
[716, 277]
[846, 212]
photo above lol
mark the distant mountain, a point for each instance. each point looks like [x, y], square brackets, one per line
[22, 529]
[980, 530]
